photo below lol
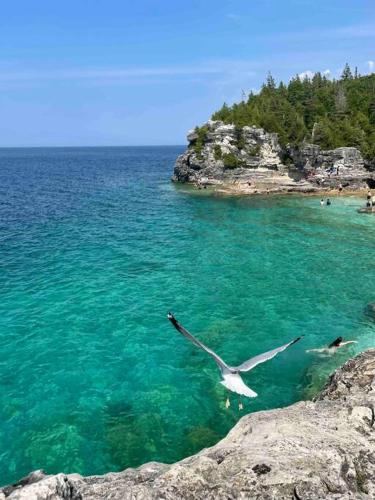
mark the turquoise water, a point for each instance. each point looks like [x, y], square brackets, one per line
[96, 246]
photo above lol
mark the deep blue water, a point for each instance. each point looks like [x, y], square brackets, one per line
[96, 245]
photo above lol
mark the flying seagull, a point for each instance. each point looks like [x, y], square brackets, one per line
[231, 378]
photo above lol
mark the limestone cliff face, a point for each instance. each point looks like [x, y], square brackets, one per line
[322, 449]
[224, 154]
[251, 147]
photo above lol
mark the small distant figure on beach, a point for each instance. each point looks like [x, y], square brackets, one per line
[322, 202]
[340, 187]
[370, 201]
[331, 348]
[328, 202]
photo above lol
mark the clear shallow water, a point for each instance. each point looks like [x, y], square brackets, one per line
[96, 245]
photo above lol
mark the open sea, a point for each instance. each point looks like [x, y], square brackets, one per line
[97, 245]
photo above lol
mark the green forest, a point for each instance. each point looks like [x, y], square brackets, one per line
[318, 110]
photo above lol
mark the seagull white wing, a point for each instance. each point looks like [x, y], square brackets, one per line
[261, 358]
[223, 366]
[234, 383]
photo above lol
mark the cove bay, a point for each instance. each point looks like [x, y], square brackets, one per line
[97, 245]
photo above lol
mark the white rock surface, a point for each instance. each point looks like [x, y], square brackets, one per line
[305, 168]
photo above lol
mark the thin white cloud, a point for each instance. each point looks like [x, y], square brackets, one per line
[306, 74]
[234, 17]
[310, 74]
[225, 70]
[353, 31]
[94, 74]
[371, 66]
[340, 33]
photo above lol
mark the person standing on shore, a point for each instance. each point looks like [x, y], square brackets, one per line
[369, 201]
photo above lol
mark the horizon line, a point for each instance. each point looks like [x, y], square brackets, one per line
[99, 146]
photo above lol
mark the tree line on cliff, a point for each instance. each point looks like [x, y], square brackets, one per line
[330, 113]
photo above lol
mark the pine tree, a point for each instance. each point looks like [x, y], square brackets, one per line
[327, 112]
[270, 83]
[340, 100]
[347, 73]
[371, 111]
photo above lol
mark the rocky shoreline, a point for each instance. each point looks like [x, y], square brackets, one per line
[310, 450]
[249, 160]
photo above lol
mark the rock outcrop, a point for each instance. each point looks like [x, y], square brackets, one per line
[370, 310]
[330, 168]
[321, 449]
[228, 154]
[222, 155]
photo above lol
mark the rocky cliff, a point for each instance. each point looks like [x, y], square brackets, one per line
[322, 449]
[252, 159]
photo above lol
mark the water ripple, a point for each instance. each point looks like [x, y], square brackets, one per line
[96, 245]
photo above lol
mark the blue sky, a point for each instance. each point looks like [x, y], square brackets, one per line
[120, 72]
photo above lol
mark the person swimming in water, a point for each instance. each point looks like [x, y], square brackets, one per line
[331, 348]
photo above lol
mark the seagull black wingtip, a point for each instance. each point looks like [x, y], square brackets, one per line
[296, 340]
[172, 319]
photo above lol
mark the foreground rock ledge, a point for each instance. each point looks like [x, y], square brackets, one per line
[310, 450]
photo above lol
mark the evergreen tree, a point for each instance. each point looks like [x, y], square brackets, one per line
[271, 84]
[340, 100]
[371, 111]
[326, 112]
[347, 73]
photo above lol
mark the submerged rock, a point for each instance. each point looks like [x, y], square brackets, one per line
[222, 154]
[310, 450]
[370, 310]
